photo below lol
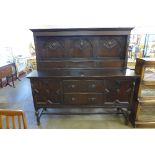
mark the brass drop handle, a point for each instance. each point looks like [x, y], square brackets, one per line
[92, 99]
[47, 90]
[93, 85]
[36, 91]
[58, 92]
[49, 101]
[128, 90]
[107, 90]
[117, 101]
[118, 90]
[73, 86]
[73, 98]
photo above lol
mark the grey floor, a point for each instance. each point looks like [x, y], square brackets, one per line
[21, 98]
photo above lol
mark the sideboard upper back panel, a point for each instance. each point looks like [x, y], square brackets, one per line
[84, 48]
[81, 47]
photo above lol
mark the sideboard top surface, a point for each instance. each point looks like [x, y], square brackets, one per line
[65, 31]
[64, 28]
[84, 73]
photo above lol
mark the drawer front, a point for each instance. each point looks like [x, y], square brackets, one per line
[147, 101]
[96, 99]
[71, 98]
[118, 90]
[147, 91]
[146, 113]
[71, 86]
[84, 86]
[92, 86]
[93, 98]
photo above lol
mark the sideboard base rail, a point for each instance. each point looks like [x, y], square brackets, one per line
[125, 111]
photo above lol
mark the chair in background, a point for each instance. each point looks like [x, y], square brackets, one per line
[10, 118]
[6, 72]
[12, 75]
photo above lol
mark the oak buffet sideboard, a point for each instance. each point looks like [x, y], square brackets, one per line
[83, 68]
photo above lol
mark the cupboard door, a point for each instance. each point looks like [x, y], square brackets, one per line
[120, 90]
[46, 90]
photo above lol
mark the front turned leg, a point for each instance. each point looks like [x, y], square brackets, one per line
[37, 117]
[45, 109]
[118, 109]
[13, 81]
[126, 116]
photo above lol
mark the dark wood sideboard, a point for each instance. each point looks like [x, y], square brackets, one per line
[83, 68]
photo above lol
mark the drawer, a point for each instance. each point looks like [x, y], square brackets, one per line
[71, 98]
[147, 91]
[146, 113]
[147, 101]
[149, 74]
[84, 86]
[84, 98]
[92, 86]
[71, 86]
[96, 99]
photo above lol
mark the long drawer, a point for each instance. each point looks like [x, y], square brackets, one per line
[83, 86]
[84, 98]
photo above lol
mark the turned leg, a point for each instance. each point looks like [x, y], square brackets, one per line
[37, 117]
[118, 110]
[1, 83]
[126, 121]
[13, 82]
[126, 115]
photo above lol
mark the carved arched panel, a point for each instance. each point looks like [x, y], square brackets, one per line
[80, 48]
[54, 48]
[110, 47]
